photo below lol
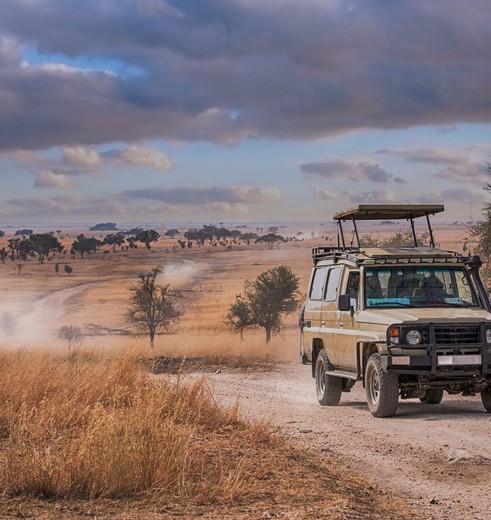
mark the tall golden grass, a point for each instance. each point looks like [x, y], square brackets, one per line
[91, 426]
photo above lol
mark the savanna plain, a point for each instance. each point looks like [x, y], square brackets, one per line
[206, 424]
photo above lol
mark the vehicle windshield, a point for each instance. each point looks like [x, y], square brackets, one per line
[418, 286]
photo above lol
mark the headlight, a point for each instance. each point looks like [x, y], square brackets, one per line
[488, 336]
[413, 337]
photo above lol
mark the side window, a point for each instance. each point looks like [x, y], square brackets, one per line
[317, 283]
[353, 287]
[332, 287]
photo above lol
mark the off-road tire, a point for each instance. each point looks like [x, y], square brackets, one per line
[432, 396]
[382, 388]
[486, 399]
[328, 388]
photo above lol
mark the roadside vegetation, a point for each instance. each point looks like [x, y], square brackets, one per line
[480, 233]
[77, 431]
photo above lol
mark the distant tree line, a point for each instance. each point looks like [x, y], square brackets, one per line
[26, 244]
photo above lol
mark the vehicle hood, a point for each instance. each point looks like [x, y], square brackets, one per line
[443, 314]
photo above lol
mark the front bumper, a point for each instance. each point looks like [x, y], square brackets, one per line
[440, 360]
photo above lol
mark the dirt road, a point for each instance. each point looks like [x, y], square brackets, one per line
[436, 456]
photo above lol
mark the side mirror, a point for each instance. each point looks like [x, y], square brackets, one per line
[345, 302]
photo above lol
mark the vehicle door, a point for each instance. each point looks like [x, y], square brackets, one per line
[329, 321]
[348, 329]
[313, 308]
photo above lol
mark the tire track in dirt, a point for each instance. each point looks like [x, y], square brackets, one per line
[437, 457]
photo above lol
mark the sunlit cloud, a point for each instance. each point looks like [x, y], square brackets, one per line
[381, 196]
[139, 155]
[323, 194]
[50, 179]
[81, 156]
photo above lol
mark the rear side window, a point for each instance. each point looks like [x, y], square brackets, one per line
[332, 288]
[317, 283]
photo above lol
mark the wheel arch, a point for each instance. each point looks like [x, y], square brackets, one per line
[364, 350]
[317, 346]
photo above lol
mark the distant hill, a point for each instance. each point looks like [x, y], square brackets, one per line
[105, 226]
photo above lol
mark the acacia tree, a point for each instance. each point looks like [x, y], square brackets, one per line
[265, 301]
[147, 236]
[115, 239]
[153, 306]
[43, 244]
[270, 239]
[84, 245]
[481, 233]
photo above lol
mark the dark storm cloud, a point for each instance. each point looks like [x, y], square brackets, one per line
[224, 71]
[340, 169]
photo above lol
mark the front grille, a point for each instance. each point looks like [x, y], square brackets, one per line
[452, 335]
[466, 369]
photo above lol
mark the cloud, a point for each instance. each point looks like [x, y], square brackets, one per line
[464, 195]
[51, 205]
[320, 193]
[381, 196]
[80, 156]
[197, 196]
[227, 207]
[456, 164]
[132, 70]
[339, 169]
[50, 179]
[399, 180]
[138, 155]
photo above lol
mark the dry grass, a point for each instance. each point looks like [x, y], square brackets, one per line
[92, 427]
[75, 429]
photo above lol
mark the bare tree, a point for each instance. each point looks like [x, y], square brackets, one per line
[153, 306]
[72, 335]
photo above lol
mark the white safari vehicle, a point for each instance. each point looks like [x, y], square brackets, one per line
[408, 322]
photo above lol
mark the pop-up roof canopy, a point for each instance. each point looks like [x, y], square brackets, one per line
[387, 211]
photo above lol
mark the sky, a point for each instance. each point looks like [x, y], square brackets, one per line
[241, 110]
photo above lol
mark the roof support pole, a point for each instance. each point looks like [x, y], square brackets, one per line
[432, 239]
[356, 230]
[341, 234]
[414, 233]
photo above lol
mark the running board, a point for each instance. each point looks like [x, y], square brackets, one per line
[338, 373]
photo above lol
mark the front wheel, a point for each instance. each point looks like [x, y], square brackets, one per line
[432, 396]
[382, 388]
[486, 399]
[328, 387]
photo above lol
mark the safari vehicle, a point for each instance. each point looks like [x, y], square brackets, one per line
[408, 322]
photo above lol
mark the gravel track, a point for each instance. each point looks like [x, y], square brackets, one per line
[437, 457]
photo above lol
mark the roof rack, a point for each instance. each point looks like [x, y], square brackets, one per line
[386, 211]
[321, 252]
[437, 257]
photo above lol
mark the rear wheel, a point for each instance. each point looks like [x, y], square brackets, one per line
[382, 388]
[328, 387]
[486, 399]
[432, 396]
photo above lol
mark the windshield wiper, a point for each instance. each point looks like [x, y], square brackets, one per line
[390, 304]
